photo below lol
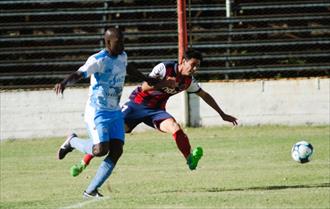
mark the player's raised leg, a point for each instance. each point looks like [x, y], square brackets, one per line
[66, 147]
[76, 169]
[171, 126]
[73, 142]
[79, 167]
[194, 158]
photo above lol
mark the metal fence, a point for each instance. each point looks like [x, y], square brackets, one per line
[42, 41]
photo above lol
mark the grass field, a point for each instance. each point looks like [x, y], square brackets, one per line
[245, 167]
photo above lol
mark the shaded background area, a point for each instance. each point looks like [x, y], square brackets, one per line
[41, 42]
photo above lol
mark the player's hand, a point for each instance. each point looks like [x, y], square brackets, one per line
[151, 81]
[230, 118]
[171, 82]
[59, 88]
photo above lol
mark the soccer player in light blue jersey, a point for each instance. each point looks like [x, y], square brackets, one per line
[104, 119]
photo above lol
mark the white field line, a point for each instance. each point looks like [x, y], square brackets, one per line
[85, 202]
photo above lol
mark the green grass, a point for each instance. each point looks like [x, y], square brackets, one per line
[245, 167]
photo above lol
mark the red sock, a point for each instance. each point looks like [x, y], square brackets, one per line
[87, 158]
[182, 142]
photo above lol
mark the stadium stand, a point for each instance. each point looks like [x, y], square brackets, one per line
[43, 41]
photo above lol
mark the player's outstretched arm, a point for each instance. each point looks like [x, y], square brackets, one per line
[168, 82]
[138, 76]
[212, 103]
[71, 79]
[150, 82]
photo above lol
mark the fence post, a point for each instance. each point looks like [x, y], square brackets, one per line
[230, 26]
[104, 18]
[182, 46]
[182, 29]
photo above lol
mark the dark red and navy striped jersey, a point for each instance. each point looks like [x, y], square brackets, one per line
[158, 98]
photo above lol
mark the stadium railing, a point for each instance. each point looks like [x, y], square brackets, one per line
[39, 43]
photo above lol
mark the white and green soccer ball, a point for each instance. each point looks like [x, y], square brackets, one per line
[302, 152]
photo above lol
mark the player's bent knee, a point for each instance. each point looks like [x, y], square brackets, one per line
[115, 155]
[101, 149]
[169, 125]
[99, 152]
[176, 127]
[116, 150]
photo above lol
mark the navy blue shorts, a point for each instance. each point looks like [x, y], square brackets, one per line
[135, 114]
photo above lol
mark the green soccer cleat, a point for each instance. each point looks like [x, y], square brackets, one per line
[77, 169]
[194, 157]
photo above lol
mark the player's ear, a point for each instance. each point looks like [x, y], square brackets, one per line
[107, 43]
[183, 60]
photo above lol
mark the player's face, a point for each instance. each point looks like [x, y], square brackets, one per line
[190, 66]
[116, 45]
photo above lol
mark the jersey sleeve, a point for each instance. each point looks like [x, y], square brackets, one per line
[159, 71]
[194, 86]
[91, 66]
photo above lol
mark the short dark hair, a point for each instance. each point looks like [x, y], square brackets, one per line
[115, 31]
[191, 53]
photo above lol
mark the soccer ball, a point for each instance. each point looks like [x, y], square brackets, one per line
[302, 152]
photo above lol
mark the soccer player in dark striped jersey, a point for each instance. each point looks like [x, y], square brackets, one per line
[147, 102]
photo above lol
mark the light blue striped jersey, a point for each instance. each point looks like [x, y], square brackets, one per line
[107, 74]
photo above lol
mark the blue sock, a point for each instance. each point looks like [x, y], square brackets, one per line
[102, 174]
[84, 146]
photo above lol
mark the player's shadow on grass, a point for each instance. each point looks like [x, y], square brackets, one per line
[275, 187]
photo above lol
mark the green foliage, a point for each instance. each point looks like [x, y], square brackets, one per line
[245, 167]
